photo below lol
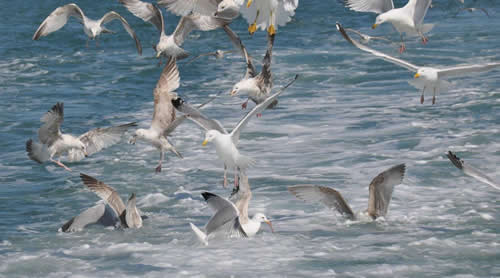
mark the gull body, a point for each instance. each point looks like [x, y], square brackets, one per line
[426, 78]
[380, 193]
[52, 142]
[92, 28]
[268, 14]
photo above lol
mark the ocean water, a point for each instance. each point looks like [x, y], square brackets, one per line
[348, 117]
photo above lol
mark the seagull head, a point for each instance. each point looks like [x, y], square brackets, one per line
[379, 20]
[227, 9]
[140, 133]
[426, 74]
[210, 136]
[79, 145]
[244, 85]
[260, 217]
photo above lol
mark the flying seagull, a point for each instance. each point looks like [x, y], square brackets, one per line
[471, 171]
[407, 19]
[92, 28]
[218, 54]
[164, 112]
[226, 143]
[425, 77]
[268, 14]
[258, 86]
[55, 143]
[380, 191]
[226, 9]
[476, 9]
[170, 45]
[225, 219]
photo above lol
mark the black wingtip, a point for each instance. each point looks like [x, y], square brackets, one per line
[86, 179]
[455, 160]
[208, 195]
[66, 225]
[177, 102]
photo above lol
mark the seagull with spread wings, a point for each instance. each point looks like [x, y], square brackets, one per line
[425, 77]
[55, 143]
[226, 143]
[471, 171]
[226, 9]
[268, 14]
[170, 45]
[407, 19]
[92, 28]
[164, 112]
[258, 86]
[380, 191]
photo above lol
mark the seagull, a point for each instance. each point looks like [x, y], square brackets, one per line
[218, 54]
[225, 142]
[425, 77]
[380, 191]
[170, 46]
[241, 198]
[268, 14]
[476, 9]
[257, 86]
[96, 214]
[471, 171]
[366, 38]
[55, 143]
[225, 219]
[92, 28]
[408, 19]
[226, 9]
[129, 215]
[164, 112]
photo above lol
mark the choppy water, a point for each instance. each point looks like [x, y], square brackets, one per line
[349, 117]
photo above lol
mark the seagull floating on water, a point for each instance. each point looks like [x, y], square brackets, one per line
[380, 191]
[92, 28]
[55, 143]
[471, 171]
[425, 77]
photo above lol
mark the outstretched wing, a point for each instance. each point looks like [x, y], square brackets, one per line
[164, 112]
[374, 6]
[57, 19]
[325, 195]
[89, 216]
[195, 21]
[381, 189]
[225, 217]
[185, 7]
[105, 192]
[50, 131]
[265, 74]
[399, 62]
[238, 44]
[114, 15]
[463, 70]
[420, 8]
[145, 11]
[235, 133]
[471, 171]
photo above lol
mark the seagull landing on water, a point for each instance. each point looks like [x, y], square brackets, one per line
[268, 14]
[164, 113]
[55, 143]
[380, 191]
[170, 45]
[92, 28]
[257, 86]
[425, 77]
[226, 143]
[407, 19]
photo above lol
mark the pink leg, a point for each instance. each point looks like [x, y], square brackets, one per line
[60, 164]
[259, 115]
[422, 96]
[402, 48]
[158, 168]
[424, 40]
[244, 105]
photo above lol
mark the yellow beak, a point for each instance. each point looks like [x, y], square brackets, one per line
[270, 225]
[158, 54]
[417, 75]
[204, 143]
[374, 26]
[232, 93]
[249, 2]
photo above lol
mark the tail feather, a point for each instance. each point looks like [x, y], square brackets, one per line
[200, 234]
[36, 151]
[174, 150]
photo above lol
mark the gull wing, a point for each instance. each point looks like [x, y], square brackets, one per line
[105, 192]
[57, 19]
[50, 131]
[241, 198]
[195, 21]
[471, 171]
[235, 133]
[197, 117]
[265, 74]
[325, 195]
[374, 6]
[381, 189]
[145, 11]
[238, 44]
[185, 7]
[399, 62]
[462, 70]
[89, 216]
[98, 139]
[225, 217]
[132, 216]
[420, 8]
[164, 112]
[114, 15]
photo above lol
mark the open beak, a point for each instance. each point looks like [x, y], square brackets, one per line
[249, 3]
[374, 26]
[204, 142]
[232, 93]
[417, 75]
[270, 225]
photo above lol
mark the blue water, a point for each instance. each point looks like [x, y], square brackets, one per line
[348, 117]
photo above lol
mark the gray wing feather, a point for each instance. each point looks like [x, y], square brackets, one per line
[238, 44]
[50, 131]
[164, 112]
[192, 22]
[145, 11]
[266, 75]
[381, 189]
[57, 19]
[375, 6]
[114, 15]
[463, 70]
[87, 217]
[185, 7]
[471, 171]
[421, 7]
